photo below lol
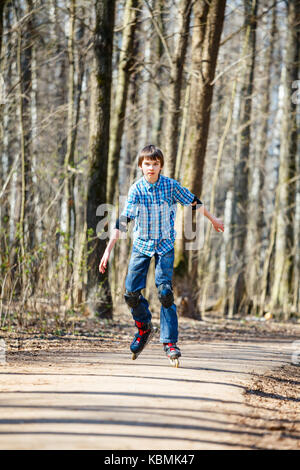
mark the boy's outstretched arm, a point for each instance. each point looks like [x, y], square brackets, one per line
[121, 226]
[217, 223]
[104, 260]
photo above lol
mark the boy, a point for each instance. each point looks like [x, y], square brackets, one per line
[151, 203]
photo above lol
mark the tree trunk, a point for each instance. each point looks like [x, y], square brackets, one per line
[119, 111]
[79, 223]
[242, 159]
[156, 63]
[282, 291]
[67, 206]
[99, 295]
[24, 62]
[60, 78]
[5, 151]
[174, 110]
[203, 267]
[1, 78]
[208, 25]
[257, 170]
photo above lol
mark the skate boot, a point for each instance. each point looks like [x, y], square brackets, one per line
[173, 353]
[140, 340]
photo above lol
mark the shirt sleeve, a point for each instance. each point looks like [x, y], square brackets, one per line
[131, 207]
[183, 195]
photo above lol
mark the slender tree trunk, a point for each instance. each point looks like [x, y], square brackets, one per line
[79, 225]
[1, 78]
[183, 130]
[67, 206]
[125, 69]
[100, 301]
[242, 158]
[3, 128]
[157, 54]
[118, 116]
[24, 61]
[257, 170]
[266, 280]
[12, 147]
[59, 93]
[60, 78]
[174, 109]
[282, 291]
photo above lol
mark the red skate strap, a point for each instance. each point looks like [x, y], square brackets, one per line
[141, 328]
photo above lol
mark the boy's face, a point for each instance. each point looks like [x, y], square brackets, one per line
[151, 169]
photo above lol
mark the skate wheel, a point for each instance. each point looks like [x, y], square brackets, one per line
[175, 362]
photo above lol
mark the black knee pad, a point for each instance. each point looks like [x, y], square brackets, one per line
[132, 298]
[165, 295]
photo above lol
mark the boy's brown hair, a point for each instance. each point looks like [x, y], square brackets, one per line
[152, 153]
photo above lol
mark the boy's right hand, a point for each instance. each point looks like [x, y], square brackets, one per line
[103, 262]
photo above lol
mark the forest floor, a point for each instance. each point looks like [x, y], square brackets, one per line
[237, 387]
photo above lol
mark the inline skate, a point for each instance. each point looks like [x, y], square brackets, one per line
[173, 353]
[142, 338]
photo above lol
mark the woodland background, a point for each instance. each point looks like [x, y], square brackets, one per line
[84, 85]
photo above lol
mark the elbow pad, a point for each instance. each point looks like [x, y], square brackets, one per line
[121, 223]
[199, 203]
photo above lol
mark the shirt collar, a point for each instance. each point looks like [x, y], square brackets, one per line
[152, 185]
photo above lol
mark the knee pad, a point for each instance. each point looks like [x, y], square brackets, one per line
[165, 295]
[132, 298]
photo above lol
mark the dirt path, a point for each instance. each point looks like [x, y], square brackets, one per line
[103, 400]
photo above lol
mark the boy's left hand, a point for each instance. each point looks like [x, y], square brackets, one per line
[218, 224]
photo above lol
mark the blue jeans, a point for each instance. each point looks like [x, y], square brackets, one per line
[136, 281]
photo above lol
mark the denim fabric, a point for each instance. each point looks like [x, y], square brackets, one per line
[136, 280]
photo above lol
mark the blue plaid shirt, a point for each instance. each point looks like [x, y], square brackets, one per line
[153, 206]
